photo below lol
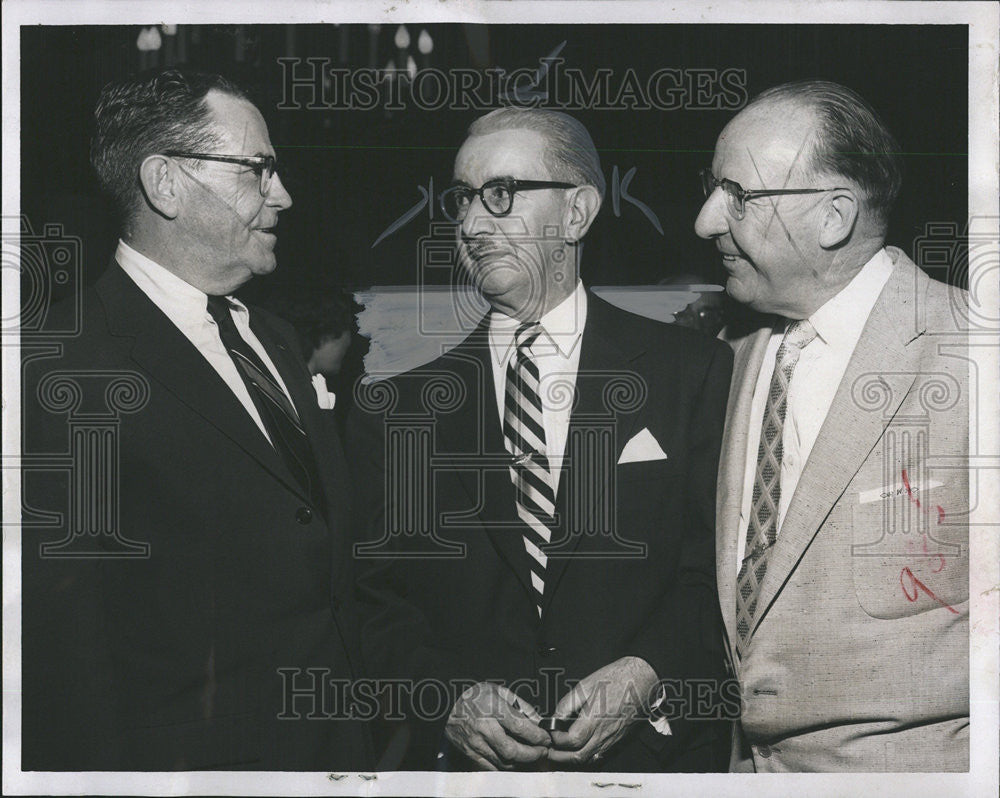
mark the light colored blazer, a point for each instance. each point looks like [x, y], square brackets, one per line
[858, 656]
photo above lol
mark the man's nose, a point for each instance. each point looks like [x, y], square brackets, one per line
[477, 220]
[277, 194]
[713, 219]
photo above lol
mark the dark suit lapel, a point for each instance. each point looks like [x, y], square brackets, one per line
[473, 428]
[878, 377]
[173, 361]
[603, 369]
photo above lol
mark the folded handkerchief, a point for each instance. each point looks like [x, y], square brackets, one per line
[326, 398]
[641, 448]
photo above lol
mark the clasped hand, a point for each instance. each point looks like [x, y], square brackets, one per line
[497, 731]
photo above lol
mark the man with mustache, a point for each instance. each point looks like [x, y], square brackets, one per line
[843, 504]
[563, 579]
[167, 620]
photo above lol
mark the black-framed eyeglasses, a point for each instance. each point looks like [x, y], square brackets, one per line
[264, 166]
[737, 196]
[496, 195]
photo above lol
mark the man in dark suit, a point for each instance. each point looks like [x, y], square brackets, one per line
[197, 565]
[539, 499]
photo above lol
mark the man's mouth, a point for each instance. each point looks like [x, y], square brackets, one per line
[477, 250]
[271, 231]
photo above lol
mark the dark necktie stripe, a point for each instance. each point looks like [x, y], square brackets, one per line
[268, 387]
[276, 411]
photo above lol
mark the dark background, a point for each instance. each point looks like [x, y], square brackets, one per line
[352, 173]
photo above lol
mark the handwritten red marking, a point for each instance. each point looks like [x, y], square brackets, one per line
[909, 492]
[917, 586]
[916, 501]
[938, 555]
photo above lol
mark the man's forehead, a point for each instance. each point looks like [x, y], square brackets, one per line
[516, 152]
[771, 137]
[239, 122]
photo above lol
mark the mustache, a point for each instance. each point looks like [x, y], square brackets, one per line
[477, 248]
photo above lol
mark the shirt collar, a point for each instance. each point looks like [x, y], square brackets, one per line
[177, 298]
[842, 317]
[563, 326]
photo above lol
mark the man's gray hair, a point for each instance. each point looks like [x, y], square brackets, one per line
[852, 140]
[570, 154]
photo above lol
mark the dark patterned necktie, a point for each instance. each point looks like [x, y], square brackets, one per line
[762, 531]
[524, 435]
[273, 406]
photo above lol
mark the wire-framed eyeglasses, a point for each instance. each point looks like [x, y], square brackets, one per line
[264, 166]
[737, 196]
[496, 195]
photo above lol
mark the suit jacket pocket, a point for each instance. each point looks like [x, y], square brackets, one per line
[907, 559]
[645, 471]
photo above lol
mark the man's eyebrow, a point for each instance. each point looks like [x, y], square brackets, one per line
[456, 182]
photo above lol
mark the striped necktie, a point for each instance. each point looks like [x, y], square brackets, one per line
[524, 436]
[762, 531]
[273, 406]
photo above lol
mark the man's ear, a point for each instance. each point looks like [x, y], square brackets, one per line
[158, 178]
[584, 204]
[840, 216]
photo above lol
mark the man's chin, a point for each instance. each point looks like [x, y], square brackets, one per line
[491, 276]
[264, 266]
[739, 291]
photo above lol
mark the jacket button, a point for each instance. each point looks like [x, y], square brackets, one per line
[303, 515]
[764, 751]
[546, 651]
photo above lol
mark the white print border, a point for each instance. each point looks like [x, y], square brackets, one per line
[983, 202]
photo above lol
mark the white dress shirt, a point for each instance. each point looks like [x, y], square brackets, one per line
[557, 354]
[820, 368]
[187, 307]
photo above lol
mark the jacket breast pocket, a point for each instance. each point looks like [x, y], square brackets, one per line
[907, 559]
[647, 471]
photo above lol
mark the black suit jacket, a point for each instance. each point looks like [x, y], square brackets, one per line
[182, 657]
[450, 601]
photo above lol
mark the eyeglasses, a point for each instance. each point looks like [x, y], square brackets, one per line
[497, 196]
[264, 166]
[737, 196]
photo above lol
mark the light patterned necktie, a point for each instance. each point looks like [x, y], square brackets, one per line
[524, 436]
[762, 531]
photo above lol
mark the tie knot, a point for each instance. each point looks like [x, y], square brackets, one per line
[526, 334]
[799, 334]
[218, 308]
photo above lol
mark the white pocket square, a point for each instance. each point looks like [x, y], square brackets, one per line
[641, 448]
[327, 399]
